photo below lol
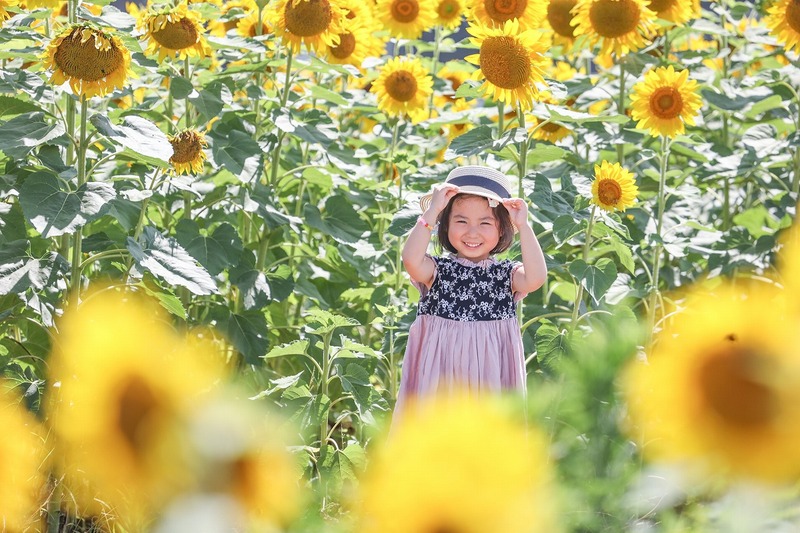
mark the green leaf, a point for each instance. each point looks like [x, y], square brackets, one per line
[339, 220]
[544, 153]
[180, 88]
[247, 331]
[328, 321]
[551, 344]
[565, 228]
[597, 278]
[736, 102]
[624, 254]
[339, 468]
[568, 116]
[10, 106]
[293, 348]
[164, 258]
[551, 204]
[320, 92]
[473, 142]
[216, 252]
[20, 271]
[22, 133]
[237, 152]
[54, 210]
[403, 221]
[210, 101]
[12, 222]
[168, 301]
[136, 134]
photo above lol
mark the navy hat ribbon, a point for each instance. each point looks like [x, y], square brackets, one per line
[480, 181]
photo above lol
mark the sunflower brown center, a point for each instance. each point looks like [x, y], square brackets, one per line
[659, 6]
[405, 10]
[177, 35]
[504, 62]
[186, 147]
[560, 17]
[793, 15]
[551, 127]
[401, 85]
[503, 10]
[732, 383]
[448, 9]
[136, 407]
[307, 18]
[264, 30]
[243, 478]
[614, 18]
[346, 46]
[609, 192]
[84, 61]
[666, 103]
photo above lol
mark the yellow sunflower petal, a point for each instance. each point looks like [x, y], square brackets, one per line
[174, 32]
[406, 19]
[313, 23]
[403, 88]
[613, 188]
[529, 14]
[784, 21]
[619, 26]
[665, 101]
[188, 155]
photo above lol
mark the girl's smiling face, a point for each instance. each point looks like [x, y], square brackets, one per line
[474, 231]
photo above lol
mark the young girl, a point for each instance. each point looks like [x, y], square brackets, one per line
[466, 334]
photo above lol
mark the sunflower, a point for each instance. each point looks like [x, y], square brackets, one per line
[511, 62]
[21, 461]
[315, 23]
[128, 382]
[449, 13]
[35, 4]
[94, 62]
[453, 78]
[620, 25]
[613, 188]
[355, 44]
[357, 11]
[247, 26]
[664, 101]
[530, 14]
[434, 474]
[174, 31]
[187, 152]
[789, 265]
[406, 18]
[403, 87]
[550, 132]
[4, 4]
[559, 18]
[722, 387]
[784, 20]
[231, 12]
[676, 11]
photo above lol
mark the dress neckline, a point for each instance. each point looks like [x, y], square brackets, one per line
[484, 263]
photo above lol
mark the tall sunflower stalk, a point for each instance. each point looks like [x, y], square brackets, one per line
[658, 251]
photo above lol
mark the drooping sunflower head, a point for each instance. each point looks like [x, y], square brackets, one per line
[664, 101]
[620, 26]
[511, 63]
[613, 188]
[188, 155]
[174, 31]
[721, 390]
[21, 456]
[410, 488]
[315, 23]
[94, 62]
[406, 19]
[678, 12]
[529, 14]
[449, 13]
[784, 21]
[559, 18]
[403, 87]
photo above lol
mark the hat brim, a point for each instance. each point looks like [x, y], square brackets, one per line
[425, 201]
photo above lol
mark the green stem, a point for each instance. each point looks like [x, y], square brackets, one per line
[501, 117]
[434, 67]
[796, 178]
[522, 164]
[187, 112]
[621, 109]
[323, 423]
[654, 294]
[587, 241]
[276, 154]
[77, 245]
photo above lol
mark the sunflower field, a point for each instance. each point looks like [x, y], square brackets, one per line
[203, 307]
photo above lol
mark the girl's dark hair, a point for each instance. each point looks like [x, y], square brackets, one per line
[500, 213]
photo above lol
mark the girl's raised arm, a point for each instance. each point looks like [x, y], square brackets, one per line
[533, 272]
[418, 265]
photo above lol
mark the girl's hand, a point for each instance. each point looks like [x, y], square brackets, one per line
[518, 210]
[442, 193]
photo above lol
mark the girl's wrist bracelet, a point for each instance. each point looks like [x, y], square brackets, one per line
[422, 222]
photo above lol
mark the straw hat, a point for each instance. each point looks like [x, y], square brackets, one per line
[481, 181]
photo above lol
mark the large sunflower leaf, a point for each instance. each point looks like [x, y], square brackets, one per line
[164, 258]
[20, 271]
[10, 106]
[24, 132]
[339, 220]
[596, 278]
[136, 134]
[54, 210]
[217, 251]
[247, 331]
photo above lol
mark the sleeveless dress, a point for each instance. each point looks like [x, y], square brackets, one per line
[466, 333]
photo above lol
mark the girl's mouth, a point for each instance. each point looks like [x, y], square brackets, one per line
[472, 245]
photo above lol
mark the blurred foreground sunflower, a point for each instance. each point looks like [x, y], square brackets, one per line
[458, 465]
[613, 188]
[784, 21]
[619, 26]
[721, 390]
[127, 385]
[187, 151]
[529, 14]
[315, 23]
[511, 63]
[22, 465]
[403, 87]
[174, 31]
[665, 101]
[406, 19]
[94, 62]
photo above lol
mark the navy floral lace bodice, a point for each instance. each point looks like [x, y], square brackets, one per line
[470, 292]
